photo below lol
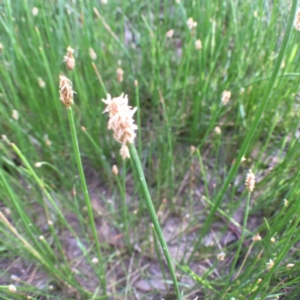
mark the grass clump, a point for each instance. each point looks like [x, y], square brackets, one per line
[216, 95]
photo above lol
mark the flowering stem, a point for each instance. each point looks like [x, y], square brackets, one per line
[138, 114]
[86, 197]
[241, 241]
[150, 207]
[122, 189]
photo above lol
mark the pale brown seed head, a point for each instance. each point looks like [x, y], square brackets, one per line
[225, 97]
[115, 170]
[65, 91]
[221, 256]
[95, 260]
[256, 238]
[124, 151]
[297, 21]
[41, 82]
[120, 74]
[191, 23]
[250, 181]
[47, 141]
[93, 54]
[12, 288]
[170, 33]
[193, 149]
[243, 158]
[270, 264]
[218, 130]
[69, 59]
[35, 11]
[15, 114]
[290, 266]
[121, 121]
[198, 45]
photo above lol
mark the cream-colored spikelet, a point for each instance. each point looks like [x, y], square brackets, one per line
[35, 11]
[115, 170]
[121, 121]
[218, 130]
[12, 288]
[297, 21]
[198, 44]
[69, 58]
[41, 82]
[270, 264]
[93, 54]
[221, 256]
[15, 115]
[170, 33]
[225, 97]
[250, 181]
[120, 74]
[256, 238]
[95, 260]
[191, 24]
[65, 91]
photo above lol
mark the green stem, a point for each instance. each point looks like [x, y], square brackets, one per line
[86, 197]
[241, 241]
[160, 261]
[252, 129]
[138, 115]
[122, 190]
[150, 207]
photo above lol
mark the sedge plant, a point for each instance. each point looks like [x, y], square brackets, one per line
[66, 96]
[122, 123]
[183, 56]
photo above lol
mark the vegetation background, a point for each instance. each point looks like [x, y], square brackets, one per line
[225, 242]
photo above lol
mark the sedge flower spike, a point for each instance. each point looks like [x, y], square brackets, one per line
[65, 90]
[225, 97]
[250, 181]
[69, 58]
[121, 121]
[297, 21]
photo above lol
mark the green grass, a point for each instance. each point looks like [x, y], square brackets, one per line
[47, 227]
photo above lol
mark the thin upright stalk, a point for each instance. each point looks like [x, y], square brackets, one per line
[86, 197]
[150, 207]
[138, 115]
[241, 241]
[122, 188]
